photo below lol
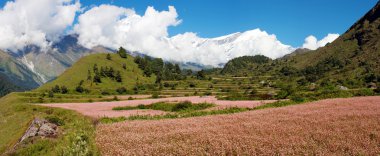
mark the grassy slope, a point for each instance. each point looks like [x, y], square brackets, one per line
[359, 48]
[15, 116]
[79, 71]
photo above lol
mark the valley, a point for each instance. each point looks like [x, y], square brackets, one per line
[118, 102]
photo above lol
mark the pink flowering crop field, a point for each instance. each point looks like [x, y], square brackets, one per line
[328, 127]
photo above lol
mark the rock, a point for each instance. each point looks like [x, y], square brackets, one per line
[312, 86]
[40, 128]
[372, 85]
[48, 130]
[343, 88]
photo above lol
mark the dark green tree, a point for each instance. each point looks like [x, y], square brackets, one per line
[122, 52]
[109, 57]
[124, 66]
[95, 68]
[56, 89]
[201, 75]
[97, 78]
[118, 77]
[177, 69]
[89, 77]
[64, 90]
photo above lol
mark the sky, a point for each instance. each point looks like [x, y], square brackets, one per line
[180, 30]
[290, 20]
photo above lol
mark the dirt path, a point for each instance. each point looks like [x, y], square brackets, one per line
[328, 127]
[104, 109]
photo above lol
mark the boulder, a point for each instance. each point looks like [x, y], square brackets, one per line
[40, 128]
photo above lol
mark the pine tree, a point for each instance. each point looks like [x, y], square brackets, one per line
[118, 77]
[56, 89]
[89, 77]
[102, 72]
[122, 52]
[97, 78]
[158, 78]
[111, 73]
[201, 75]
[109, 57]
[177, 69]
[95, 68]
[64, 90]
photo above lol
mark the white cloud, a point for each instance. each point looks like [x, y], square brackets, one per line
[311, 42]
[113, 26]
[35, 22]
[40, 22]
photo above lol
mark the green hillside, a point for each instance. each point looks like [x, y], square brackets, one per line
[352, 59]
[247, 64]
[83, 74]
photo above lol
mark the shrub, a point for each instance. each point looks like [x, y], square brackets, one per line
[192, 85]
[282, 94]
[364, 92]
[64, 90]
[55, 120]
[104, 92]
[155, 95]
[208, 93]
[51, 94]
[115, 98]
[56, 89]
[79, 89]
[121, 90]
[130, 98]
[377, 90]
[298, 98]
[108, 57]
[182, 106]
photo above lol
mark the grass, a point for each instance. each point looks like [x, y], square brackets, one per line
[77, 133]
[169, 107]
[183, 114]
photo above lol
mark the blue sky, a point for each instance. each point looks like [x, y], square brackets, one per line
[290, 20]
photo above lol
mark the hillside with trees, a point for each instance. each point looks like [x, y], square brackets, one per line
[101, 74]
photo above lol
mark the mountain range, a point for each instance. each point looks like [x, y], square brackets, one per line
[356, 51]
[33, 66]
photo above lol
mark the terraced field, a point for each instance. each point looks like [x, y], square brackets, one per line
[104, 109]
[327, 127]
[219, 86]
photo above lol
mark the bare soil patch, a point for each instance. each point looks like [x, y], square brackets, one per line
[328, 127]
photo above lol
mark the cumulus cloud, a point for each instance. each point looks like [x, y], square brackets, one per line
[41, 22]
[35, 22]
[311, 42]
[113, 26]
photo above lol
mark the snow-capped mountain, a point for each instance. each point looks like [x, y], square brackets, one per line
[42, 65]
[33, 66]
[217, 51]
